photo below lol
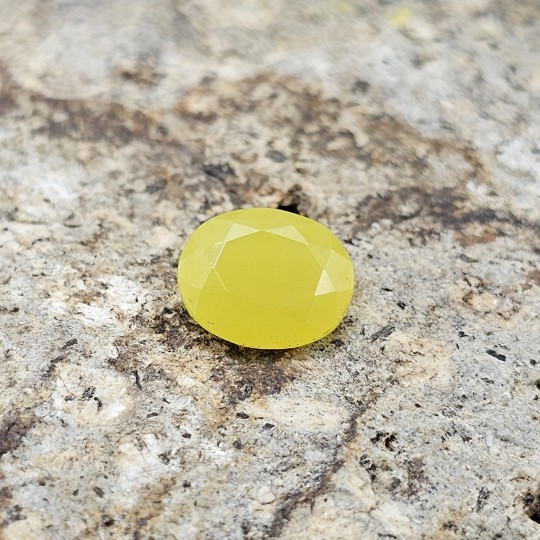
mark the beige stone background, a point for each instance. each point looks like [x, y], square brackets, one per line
[411, 129]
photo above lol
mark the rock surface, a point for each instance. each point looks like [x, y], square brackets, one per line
[411, 129]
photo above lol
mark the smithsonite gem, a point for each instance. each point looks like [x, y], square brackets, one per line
[265, 278]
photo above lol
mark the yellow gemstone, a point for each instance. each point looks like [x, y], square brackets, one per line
[265, 278]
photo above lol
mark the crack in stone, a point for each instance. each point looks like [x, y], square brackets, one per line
[284, 512]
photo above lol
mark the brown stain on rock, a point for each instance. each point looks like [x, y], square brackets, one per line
[6, 501]
[533, 279]
[137, 523]
[430, 175]
[239, 373]
[176, 328]
[430, 213]
[93, 120]
[13, 430]
[243, 374]
[143, 72]
[306, 116]
[150, 507]
[416, 165]
[7, 93]
[488, 299]
[407, 203]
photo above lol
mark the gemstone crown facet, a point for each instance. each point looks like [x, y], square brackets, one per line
[265, 278]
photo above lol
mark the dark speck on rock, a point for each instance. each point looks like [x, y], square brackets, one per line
[220, 171]
[360, 86]
[467, 259]
[382, 333]
[497, 355]
[70, 343]
[276, 155]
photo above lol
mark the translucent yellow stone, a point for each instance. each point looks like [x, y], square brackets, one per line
[265, 278]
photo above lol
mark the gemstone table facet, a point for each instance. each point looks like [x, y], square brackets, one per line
[265, 278]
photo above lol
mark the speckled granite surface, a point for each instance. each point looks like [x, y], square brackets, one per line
[410, 129]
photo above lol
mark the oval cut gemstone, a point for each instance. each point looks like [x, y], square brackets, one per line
[265, 278]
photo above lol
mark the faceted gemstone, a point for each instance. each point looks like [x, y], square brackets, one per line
[265, 278]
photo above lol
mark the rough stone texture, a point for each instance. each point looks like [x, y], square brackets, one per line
[411, 129]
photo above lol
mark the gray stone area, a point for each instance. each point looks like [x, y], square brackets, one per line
[411, 129]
